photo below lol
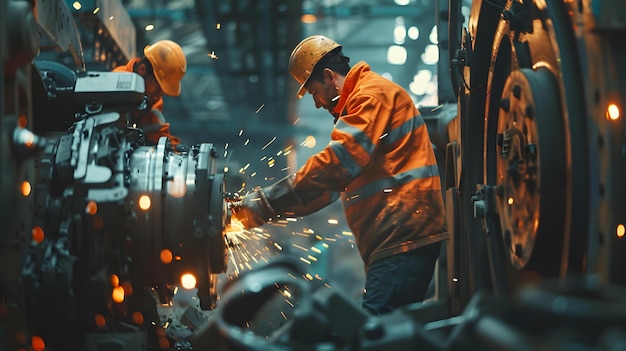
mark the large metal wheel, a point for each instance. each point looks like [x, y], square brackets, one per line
[535, 144]
[531, 170]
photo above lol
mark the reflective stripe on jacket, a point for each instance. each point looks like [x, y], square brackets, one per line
[381, 159]
[152, 123]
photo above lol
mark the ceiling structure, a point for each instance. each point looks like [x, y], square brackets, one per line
[237, 92]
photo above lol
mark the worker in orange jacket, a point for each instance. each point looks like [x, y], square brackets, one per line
[380, 161]
[162, 67]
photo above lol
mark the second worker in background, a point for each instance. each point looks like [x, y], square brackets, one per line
[162, 67]
[380, 161]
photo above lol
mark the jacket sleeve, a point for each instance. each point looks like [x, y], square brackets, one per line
[285, 199]
[277, 201]
[353, 141]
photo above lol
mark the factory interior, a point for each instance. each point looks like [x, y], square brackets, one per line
[533, 186]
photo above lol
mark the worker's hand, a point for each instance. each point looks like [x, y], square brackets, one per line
[253, 210]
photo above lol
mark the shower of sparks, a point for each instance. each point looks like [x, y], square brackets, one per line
[268, 144]
[248, 249]
[260, 107]
[436, 108]
[300, 247]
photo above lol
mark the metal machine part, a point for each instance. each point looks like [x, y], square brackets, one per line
[113, 220]
[535, 148]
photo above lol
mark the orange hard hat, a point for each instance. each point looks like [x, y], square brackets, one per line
[168, 63]
[306, 55]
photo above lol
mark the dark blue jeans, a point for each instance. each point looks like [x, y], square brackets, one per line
[399, 280]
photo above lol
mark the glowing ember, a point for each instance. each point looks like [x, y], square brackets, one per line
[145, 202]
[26, 188]
[188, 281]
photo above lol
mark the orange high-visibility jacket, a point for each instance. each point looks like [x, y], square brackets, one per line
[152, 122]
[381, 160]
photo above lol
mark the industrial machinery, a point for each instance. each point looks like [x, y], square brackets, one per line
[533, 133]
[533, 168]
[97, 226]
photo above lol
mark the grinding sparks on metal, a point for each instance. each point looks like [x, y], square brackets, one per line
[269, 143]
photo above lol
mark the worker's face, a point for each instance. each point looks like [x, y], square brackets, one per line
[153, 89]
[325, 93]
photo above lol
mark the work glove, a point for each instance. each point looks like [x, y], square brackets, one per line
[280, 198]
[253, 210]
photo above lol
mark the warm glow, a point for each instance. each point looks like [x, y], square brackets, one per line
[309, 142]
[308, 18]
[37, 234]
[145, 202]
[177, 187]
[235, 227]
[118, 294]
[37, 343]
[26, 188]
[99, 320]
[22, 121]
[115, 280]
[612, 112]
[188, 281]
[166, 256]
[621, 230]
[510, 201]
[91, 208]
[138, 318]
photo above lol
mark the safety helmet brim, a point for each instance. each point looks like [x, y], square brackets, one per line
[168, 65]
[302, 90]
[305, 57]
